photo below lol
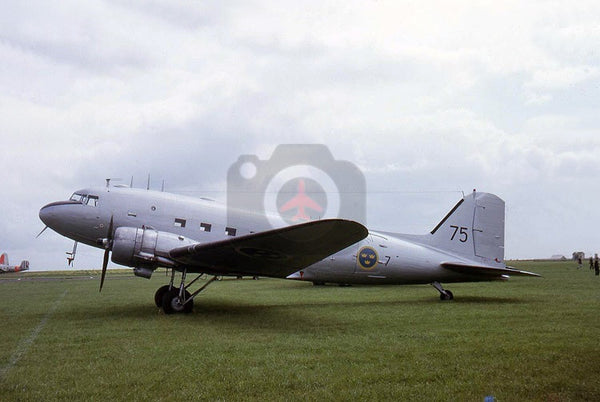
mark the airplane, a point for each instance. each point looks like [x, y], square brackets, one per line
[6, 267]
[146, 229]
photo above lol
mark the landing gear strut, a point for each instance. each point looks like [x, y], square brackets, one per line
[177, 299]
[445, 294]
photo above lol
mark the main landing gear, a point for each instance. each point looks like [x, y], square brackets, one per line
[177, 299]
[445, 294]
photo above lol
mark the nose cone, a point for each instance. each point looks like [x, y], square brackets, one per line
[48, 215]
[52, 213]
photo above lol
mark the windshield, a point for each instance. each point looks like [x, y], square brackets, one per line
[86, 199]
[92, 200]
[78, 197]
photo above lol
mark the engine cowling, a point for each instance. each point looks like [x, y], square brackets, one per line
[145, 249]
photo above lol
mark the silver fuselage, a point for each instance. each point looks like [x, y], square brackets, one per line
[401, 259]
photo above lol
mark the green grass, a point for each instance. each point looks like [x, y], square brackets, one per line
[526, 339]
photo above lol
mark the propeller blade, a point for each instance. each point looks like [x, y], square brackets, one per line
[107, 247]
[110, 229]
[43, 230]
[104, 265]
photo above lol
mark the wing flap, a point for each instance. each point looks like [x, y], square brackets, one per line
[472, 269]
[275, 253]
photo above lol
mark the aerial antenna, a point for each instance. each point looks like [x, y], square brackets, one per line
[162, 189]
[148, 186]
[131, 182]
[108, 182]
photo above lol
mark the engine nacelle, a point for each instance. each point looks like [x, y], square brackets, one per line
[145, 249]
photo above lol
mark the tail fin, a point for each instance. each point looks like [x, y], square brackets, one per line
[4, 259]
[474, 229]
[24, 265]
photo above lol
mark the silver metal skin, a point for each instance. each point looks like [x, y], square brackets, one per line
[150, 229]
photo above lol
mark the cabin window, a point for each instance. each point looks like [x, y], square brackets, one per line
[179, 223]
[205, 227]
[230, 231]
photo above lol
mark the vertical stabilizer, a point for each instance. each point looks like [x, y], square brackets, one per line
[24, 266]
[474, 229]
[4, 259]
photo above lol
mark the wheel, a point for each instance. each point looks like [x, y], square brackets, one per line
[318, 283]
[158, 296]
[446, 295]
[171, 303]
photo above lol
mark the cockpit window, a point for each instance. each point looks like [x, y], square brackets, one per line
[77, 197]
[92, 200]
[86, 199]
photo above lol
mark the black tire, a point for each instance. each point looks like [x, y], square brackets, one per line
[447, 295]
[172, 305]
[158, 296]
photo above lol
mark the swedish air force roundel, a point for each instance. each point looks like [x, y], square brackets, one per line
[367, 258]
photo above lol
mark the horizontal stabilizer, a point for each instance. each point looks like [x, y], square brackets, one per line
[470, 269]
[275, 253]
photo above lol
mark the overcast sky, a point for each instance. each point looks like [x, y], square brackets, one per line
[427, 98]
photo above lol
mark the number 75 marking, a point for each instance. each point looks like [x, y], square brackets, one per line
[462, 231]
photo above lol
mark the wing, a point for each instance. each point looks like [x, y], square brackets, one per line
[483, 270]
[275, 253]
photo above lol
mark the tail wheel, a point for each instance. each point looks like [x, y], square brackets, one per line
[446, 295]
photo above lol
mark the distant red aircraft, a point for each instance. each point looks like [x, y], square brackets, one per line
[5, 267]
[301, 201]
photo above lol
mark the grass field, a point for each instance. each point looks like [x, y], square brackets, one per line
[527, 339]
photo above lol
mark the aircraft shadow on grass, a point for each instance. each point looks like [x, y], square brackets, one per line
[270, 316]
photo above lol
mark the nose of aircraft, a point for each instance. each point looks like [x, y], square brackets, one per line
[47, 215]
[50, 214]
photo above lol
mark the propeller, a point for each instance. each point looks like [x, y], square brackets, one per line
[43, 230]
[107, 247]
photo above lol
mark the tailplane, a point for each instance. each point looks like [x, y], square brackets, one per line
[473, 229]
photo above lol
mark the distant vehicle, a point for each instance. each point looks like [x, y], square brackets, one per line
[6, 267]
[148, 229]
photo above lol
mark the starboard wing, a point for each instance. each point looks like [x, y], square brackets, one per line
[275, 253]
[472, 269]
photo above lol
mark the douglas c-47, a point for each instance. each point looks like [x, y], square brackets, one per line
[148, 229]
